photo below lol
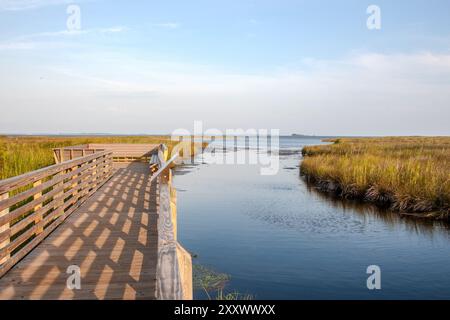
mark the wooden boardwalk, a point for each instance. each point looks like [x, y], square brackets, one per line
[113, 239]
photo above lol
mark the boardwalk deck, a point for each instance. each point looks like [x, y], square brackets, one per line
[109, 214]
[112, 237]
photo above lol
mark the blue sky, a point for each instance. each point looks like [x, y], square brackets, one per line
[154, 66]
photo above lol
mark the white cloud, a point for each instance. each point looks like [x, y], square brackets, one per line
[115, 29]
[35, 41]
[168, 25]
[362, 94]
[17, 46]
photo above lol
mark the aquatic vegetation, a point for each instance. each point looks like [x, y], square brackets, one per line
[207, 279]
[211, 281]
[232, 296]
[407, 174]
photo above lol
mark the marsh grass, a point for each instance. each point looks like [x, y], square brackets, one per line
[232, 296]
[406, 174]
[207, 279]
[213, 284]
[21, 154]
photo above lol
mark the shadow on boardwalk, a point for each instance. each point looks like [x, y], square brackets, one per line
[112, 237]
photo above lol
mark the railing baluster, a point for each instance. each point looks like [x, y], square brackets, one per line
[94, 173]
[77, 179]
[74, 177]
[60, 202]
[36, 208]
[4, 227]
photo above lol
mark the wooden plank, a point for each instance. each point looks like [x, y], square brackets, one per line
[167, 165]
[3, 227]
[57, 179]
[122, 152]
[121, 254]
[29, 206]
[77, 202]
[38, 217]
[185, 270]
[59, 206]
[109, 271]
[56, 153]
[31, 177]
[174, 268]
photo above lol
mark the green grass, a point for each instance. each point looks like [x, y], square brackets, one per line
[408, 174]
[232, 296]
[213, 284]
[21, 154]
[207, 279]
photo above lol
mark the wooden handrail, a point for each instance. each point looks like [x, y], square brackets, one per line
[9, 184]
[122, 152]
[34, 204]
[174, 267]
[164, 166]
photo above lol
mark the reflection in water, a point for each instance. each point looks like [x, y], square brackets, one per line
[367, 210]
[279, 238]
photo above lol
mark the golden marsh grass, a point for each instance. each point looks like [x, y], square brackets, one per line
[408, 174]
[21, 154]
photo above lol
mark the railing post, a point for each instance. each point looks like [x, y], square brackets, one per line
[74, 185]
[4, 227]
[38, 218]
[94, 173]
[110, 164]
[59, 185]
[55, 155]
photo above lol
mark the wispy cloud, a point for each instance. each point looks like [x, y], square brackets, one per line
[115, 29]
[17, 46]
[19, 5]
[368, 93]
[35, 41]
[168, 25]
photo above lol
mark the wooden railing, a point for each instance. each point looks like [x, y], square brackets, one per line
[174, 267]
[34, 204]
[70, 153]
[122, 152]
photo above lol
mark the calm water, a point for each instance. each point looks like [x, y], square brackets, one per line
[280, 239]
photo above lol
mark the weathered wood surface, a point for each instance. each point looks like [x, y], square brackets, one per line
[122, 234]
[174, 268]
[112, 237]
[122, 152]
[55, 192]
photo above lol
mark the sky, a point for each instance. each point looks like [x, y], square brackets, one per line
[149, 67]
